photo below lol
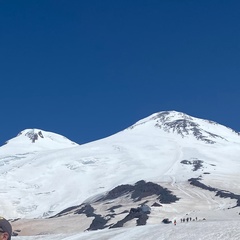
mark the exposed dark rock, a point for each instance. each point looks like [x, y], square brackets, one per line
[185, 125]
[136, 192]
[98, 223]
[125, 211]
[197, 164]
[135, 210]
[144, 189]
[144, 209]
[114, 207]
[197, 183]
[224, 194]
[134, 213]
[65, 211]
[129, 217]
[142, 220]
[15, 219]
[118, 192]
[156, 205]
[186, 162]
[14, 234]
[34, 136]
[141, 190]
[166, 220]
[40, 134]
[220, 193]
[145, 202]
[86, 209]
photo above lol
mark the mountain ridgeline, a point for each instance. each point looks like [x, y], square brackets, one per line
[166, 165]
[185, 125]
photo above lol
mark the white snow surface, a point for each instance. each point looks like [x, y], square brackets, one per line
[207, 230]
[41, 178]
[30, 140]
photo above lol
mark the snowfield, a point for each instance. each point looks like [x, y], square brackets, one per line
[201, 230]
[43, 174]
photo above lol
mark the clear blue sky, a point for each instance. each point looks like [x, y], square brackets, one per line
[88, 69]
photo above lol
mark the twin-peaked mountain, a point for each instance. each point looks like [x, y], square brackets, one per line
[167, 158]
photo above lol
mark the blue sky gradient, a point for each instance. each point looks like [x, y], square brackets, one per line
[88, 69]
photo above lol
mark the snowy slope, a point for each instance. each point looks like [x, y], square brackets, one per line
[31, 140]
[167, 148]
[19, 178]
[207, 230]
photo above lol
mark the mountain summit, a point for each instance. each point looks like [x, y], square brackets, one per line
[183, 163]
[187, 126]
[35, 140]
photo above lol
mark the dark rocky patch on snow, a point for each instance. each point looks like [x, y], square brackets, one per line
[141, 190]
[33, 136]
[166, 221]
[141, 213]
[221, 193]
[118, 192]
[65, 211]
[224, 194]
[135, 193]
[187, 162]
[196, 182]
[114, 207]
[99, 222]
[185, 125]
[125, 211]
[197, 164]
[156, 205]
[86, 209]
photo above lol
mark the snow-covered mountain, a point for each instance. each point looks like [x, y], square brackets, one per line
[171, 162]
[36, 140]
